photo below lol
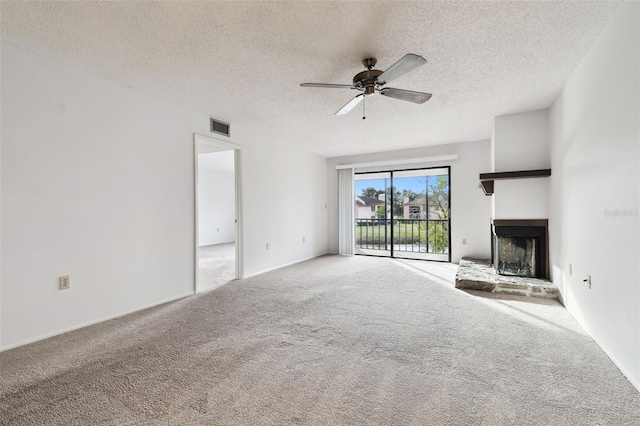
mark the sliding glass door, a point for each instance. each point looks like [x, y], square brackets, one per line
[373, 214]
[403, 214]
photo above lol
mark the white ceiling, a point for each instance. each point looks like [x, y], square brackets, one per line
[242, 62]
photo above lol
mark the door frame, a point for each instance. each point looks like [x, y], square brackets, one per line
[221, 145]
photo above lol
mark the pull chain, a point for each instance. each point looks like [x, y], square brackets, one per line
[363, 100]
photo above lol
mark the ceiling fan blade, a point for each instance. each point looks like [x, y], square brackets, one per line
[406, 95]
[328, 86]
[349, 106]
[409, 62]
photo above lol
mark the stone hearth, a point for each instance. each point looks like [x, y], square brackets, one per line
[478, 274]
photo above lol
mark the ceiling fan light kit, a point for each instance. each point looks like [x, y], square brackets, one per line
[371, 81]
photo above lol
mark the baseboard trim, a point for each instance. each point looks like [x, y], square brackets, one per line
[216, 244]
[286, 264]
[99, 320]
[634, 382]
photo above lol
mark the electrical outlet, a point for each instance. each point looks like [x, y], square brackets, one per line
[304, 239]
[267, 246]
[464, 241]
[588, 281]
[64, 282]
[218, 229]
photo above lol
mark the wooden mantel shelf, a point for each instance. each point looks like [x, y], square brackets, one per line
[487, 179]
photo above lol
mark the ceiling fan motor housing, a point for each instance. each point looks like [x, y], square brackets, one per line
[367, 80]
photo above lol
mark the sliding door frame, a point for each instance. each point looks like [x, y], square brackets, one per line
[391, 172]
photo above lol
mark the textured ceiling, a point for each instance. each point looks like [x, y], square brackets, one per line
[242, 62]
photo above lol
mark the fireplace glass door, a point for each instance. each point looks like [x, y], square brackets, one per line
[517, 256]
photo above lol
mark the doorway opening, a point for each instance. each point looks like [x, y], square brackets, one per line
[218, 242]
[404, 214]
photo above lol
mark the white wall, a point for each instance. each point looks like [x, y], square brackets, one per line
[521, 198]
[521, 142]
[97, 183]
[216, 206]
[285, 194]
[470, 208]
[595, 134]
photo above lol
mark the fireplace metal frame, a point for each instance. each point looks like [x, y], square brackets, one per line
[531, 228]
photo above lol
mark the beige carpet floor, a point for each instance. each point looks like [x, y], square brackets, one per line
[336, 341]
[216, 265]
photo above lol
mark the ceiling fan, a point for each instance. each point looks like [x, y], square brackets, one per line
[372, 81]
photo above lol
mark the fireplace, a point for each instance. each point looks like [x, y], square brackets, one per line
[520, 247]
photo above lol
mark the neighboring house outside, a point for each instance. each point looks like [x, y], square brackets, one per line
[366, 207]
[416, 209]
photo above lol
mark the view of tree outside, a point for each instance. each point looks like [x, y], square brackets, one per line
[420, 212]
[439, 195]
[439, 202]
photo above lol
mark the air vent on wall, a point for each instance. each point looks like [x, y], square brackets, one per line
[220, 127]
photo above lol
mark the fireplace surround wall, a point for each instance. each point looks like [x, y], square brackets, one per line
[534, 229]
